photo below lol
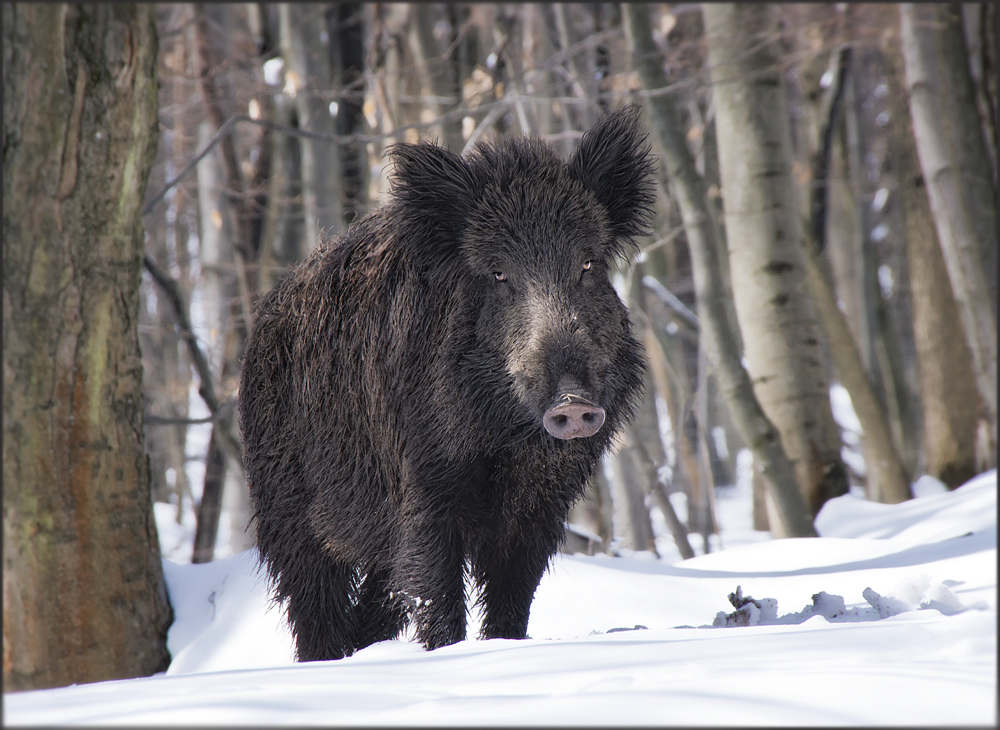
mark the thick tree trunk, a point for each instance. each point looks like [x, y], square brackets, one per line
[959, 178]
[780, 332]
[721, 345]
[84, 597]
[948, 393]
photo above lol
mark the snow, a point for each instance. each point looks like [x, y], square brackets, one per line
[888, 618]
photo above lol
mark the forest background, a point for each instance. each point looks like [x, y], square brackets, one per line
[825, 225]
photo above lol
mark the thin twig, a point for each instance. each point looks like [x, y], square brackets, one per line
[342, 139]
[206, 390]
[668, 298]
[224, 410]
[665, 240]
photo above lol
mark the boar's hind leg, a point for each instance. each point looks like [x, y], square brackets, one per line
[507, 579]
[378, 616]
[317, 590]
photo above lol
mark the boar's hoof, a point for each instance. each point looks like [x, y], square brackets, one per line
[573, 417]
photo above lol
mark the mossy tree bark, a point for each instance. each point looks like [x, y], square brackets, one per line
[84, 595]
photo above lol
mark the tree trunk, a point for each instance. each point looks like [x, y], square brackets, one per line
[661, 387]
[347, 35]
[84, 597]
[308, 70]
[878, 335]
[631, 516]
[721, 344]
[210, 506]
[780, 332]
[948, 394]
[216, 256]
[655, 490]
[980, 26]
[436, 77]
[862, 249]
[706, 477]
[959, 179]
[578, 68]
[887, 476]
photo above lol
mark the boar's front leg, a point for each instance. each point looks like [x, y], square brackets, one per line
[429, 564]
[508, 571]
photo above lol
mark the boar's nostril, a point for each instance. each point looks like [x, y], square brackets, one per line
[573, 420]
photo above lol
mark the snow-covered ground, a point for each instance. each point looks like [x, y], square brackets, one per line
[889, 618]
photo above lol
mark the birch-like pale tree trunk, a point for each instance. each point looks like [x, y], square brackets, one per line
[777, 318]
[948, 393]
[959, 178]
[793, 518]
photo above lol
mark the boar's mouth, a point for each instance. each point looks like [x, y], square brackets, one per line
[573, 416]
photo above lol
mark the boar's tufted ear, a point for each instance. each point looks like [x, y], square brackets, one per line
[435, 188]
[614, 162]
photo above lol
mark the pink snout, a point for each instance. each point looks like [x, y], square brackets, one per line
[573, 417]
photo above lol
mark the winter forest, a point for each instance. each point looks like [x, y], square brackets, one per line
[817, 299]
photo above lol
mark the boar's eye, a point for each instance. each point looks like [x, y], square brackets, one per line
[499, 276]
[587, 264]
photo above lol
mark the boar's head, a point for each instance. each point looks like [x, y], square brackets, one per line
[528, 242]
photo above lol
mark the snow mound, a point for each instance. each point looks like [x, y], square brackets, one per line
[222, 610]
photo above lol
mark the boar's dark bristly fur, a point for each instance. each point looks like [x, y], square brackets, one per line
[395, 384]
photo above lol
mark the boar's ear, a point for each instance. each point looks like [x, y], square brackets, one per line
[435, 188]
[614, 162]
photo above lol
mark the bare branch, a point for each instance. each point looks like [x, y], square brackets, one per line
[224, 410]
[668, 298]
[206, 390]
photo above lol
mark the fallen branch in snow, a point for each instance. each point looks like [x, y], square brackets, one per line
[913, 594]
[749, 612]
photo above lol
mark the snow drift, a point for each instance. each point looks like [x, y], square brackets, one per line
[888, 618]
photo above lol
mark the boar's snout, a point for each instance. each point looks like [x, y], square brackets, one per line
[573, 417]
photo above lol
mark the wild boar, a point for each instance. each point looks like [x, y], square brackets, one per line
[427, 393]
